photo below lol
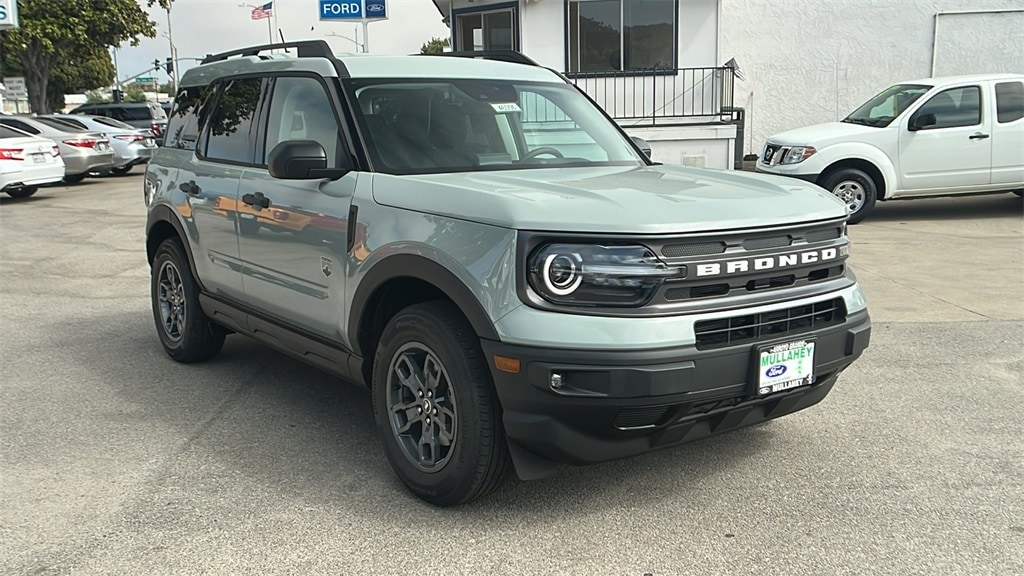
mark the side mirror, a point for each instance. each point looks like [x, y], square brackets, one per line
[642, 145]
[922, 121]
[301, 160]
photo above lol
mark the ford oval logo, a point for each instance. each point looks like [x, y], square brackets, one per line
[775, 371]
[374, 7]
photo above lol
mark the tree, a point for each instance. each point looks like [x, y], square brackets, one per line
[134, 95]
[167, 88]
[435, 46]
[94, 97]
[54, 33]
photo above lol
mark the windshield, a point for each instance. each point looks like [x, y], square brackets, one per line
[113, 123]
[59, 124]
[881, 110]
[451, 125]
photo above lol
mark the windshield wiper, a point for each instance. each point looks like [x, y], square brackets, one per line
[861, 121]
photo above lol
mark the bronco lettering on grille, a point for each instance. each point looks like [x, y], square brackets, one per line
[765, 263]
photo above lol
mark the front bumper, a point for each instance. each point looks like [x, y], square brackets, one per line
[623, 403]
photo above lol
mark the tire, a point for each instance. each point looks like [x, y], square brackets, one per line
[855, 188]
[459, 403]
[1019, 192]
[185, 332]
[74, 178]
[22, 192]
[121, 170]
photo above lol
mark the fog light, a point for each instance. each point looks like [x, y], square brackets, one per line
[556, 381]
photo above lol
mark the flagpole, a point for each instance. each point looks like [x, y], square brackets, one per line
[273, 13]
[270, 29]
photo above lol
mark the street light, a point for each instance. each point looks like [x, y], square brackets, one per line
[359, 45]
[270, 26]
[170, 40]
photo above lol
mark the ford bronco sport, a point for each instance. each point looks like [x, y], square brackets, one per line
[483, 248]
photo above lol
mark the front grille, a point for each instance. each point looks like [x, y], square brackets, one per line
[823, 235]
[722, 332]
[698, 249]
[766, 243]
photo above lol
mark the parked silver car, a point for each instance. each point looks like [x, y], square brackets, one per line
[131, 145]
[83, 151]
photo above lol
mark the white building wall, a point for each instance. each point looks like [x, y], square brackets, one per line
[808, 62]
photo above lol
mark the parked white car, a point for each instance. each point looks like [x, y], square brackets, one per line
[932, 137]
[27, 162]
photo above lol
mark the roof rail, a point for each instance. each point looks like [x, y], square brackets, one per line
[501, 55]
[305, 48]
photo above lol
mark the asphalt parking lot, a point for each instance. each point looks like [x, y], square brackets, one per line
[116, 460]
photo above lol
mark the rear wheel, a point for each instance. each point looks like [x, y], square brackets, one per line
[436, 408]
[855, 188]
[22, 192]
[74, 178]
[186, 334]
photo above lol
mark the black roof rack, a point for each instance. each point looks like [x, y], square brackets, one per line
[501, 55]
[305, 49]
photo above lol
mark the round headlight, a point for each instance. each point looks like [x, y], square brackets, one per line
[562, 273]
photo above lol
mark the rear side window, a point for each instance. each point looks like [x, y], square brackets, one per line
[1009, 101]
[231, 130]
[19, 125]
[72, 122]
[192, 106]
[59, 124]
[136, 113]
[6, 132]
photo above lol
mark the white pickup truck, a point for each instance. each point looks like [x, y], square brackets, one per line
[931, 137]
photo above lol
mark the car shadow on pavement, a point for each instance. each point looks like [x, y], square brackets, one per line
[948, 208]
[293, 429]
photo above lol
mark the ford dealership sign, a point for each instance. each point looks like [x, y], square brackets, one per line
[353, 10]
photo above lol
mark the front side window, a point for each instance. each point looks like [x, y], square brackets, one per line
[493, 30]
[621, 35]
[953, 108]
[231, 130]
[449, 125]
[884, 107]
[300, 109]
[1009, 101]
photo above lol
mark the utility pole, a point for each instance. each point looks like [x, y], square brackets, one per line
[173, 75]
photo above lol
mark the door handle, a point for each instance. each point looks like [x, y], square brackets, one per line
[190, 188]
[978, 136]
[257, 200]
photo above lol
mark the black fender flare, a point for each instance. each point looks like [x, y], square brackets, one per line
[163, 213]
[427, 270]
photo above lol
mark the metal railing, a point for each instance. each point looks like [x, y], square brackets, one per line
[660, 95]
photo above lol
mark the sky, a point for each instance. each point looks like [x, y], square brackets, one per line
[202, 27]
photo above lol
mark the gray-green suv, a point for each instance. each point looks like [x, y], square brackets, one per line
[480, 245]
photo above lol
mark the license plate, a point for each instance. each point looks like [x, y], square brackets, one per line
[768, 153]
[785, 366]
[39, 158]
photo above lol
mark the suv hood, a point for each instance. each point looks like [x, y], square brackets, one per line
[820, 135]
[649, 200]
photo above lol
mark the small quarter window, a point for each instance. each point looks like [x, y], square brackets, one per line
[1009, 101]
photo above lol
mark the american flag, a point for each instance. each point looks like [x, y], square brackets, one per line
[261, 12]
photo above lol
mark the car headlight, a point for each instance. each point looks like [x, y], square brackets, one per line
[595, 275]
[798, 154]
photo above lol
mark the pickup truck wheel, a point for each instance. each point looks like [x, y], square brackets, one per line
[855, 188]
[186, 334]
[22, 192]
[436, 408]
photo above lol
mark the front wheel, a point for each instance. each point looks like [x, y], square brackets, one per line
[855, 188]
[435, 406]
[22, 192]
[186, 334]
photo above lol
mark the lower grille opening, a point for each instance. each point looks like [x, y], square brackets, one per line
[722, 332]
[639, 417]
[776, 282]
